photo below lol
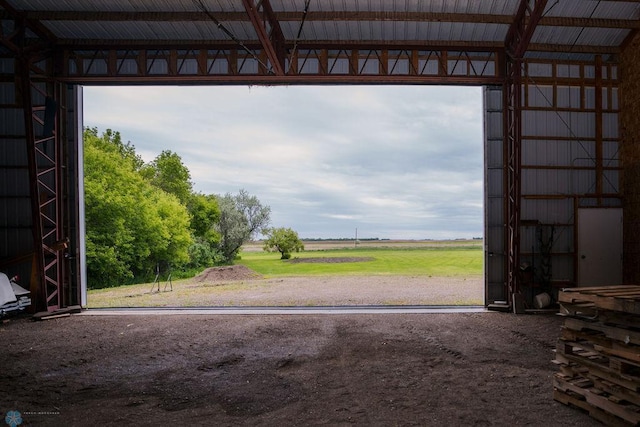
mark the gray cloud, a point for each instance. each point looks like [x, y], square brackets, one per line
[393, 161]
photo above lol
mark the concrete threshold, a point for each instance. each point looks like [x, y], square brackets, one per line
[368, 309]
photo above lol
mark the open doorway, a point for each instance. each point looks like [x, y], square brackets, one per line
[397, 170]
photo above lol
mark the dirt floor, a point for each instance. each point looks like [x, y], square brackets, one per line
[470, 369]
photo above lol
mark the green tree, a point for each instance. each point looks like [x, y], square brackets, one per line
[283, 240]
[241, 217]
[168, 172]
[111, 141]
[131, 224]
[205, 212]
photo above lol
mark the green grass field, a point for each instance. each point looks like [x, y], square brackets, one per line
[462, 259]
[449, 261]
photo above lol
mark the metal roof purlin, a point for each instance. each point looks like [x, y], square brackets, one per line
[273, 44]
[33, 25]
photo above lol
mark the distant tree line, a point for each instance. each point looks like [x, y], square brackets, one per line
[143, 215]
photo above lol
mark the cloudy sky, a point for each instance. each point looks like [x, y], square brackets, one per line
[390, 161]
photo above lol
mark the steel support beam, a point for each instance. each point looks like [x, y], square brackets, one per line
[37, 269]
[269, 32]
[516, 44]
[522, 29]
[37, 96]
[513, 144]
[309, 65]
[45, 173]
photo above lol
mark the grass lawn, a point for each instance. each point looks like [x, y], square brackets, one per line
[442, 262]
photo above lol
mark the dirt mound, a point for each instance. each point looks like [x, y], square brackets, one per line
[229, 272]
[329, 260]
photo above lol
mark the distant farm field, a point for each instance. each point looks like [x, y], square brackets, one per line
[332, 273]
[421, 258]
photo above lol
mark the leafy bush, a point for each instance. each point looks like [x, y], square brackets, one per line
[283, 240]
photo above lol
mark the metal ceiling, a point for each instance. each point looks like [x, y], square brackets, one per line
[573, 27]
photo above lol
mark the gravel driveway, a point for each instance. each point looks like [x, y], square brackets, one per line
[350, 290]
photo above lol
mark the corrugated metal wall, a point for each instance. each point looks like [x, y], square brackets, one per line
[570, 160]
[16, 210]
[494, 238]
[16, 237]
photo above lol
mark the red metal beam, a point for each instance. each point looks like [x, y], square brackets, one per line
[298, 79]
[523, 27]
[44, 152]
[37, 273]
[513, 145]
[273, 43]
[516, 44]
[204, 66]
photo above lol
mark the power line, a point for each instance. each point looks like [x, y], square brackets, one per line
[225, 30]
[295, 42]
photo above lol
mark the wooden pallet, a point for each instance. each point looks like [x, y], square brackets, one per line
[620, 333]
[598, 353]
[584, 389]
[623, 298]
[590, 356]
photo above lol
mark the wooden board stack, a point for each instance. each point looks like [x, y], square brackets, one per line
[599, 353]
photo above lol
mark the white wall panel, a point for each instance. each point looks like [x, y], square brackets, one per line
[530, 238]
[493, 123]
[540, 152]
[589, 98]
[611, 153]
[549, 211]
[540, 96]
[563, 124]
[611, 181]
[539, 70]
[610, 125]
[494, 158]
[568, 96]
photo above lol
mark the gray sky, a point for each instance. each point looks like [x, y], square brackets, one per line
[398, 162]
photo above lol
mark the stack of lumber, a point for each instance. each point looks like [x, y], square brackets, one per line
[598, 353]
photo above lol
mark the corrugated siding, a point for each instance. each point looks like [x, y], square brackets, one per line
[579, 35]
[126, 5]
[596, 10]
[543, 152]
[494, 196]
[559, 157]
[501, 7]
[565, 124]
[497, 7]
[149, 30]
[15, 205]
[394, 30]
[344, 30]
